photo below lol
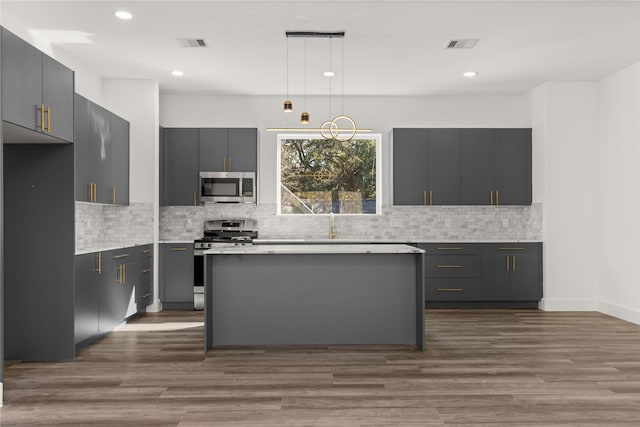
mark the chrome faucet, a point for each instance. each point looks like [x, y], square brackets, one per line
[332, 227]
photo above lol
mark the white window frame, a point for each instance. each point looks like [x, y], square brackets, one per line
[285, 136]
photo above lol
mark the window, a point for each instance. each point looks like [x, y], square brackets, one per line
[319, 176]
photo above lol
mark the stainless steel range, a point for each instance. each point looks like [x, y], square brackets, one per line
[218, 233]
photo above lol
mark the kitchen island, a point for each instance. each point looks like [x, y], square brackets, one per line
[314, 295]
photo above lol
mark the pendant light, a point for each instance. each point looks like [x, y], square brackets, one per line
[304, 117]
[288, 105]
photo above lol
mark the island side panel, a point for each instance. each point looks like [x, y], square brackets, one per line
[420, 327]
[291, 299]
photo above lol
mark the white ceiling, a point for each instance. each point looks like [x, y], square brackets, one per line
[390, 47]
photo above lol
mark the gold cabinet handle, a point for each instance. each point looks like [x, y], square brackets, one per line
[91, 191]
[430, 198]
[513, 263]
[194, 199]
[124, 273]
[120, 256]
[95, 192]
[145, 295]
[230, 164]
[113, 195]
[119, 277]
[451, 266]
[450, 289]
[497, 198]
[146, 270]
[49, 119]
[450, 249]
[510, 249]
[507, 262]
[424, 197]
[491, 197]
[224, 164]
[178, 249]
[99, 260]
[146, 251]
[42, 118]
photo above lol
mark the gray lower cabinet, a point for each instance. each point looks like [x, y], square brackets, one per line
[512, 271]
[37, 92]
[483, 274]
[176, 275]
[104, 287]
[180, 165]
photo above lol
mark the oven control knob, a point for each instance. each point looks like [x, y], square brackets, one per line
[208, 245]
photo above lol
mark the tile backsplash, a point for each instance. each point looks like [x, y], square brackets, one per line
[99, 226]
[409, 223]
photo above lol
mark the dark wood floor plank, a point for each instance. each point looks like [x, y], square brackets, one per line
[482, 367]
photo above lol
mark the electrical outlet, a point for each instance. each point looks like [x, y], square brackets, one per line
[187, 222]
[505, 222]
[447, 222]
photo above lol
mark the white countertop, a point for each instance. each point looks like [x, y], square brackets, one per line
[316, 249]
[108, 246]
[383, 241]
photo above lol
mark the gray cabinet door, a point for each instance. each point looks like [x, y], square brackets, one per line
[512, 166]
[21, 82]
[120, 160]
[213, 150]
[161, 167]
[243, 150]
[109, 293]
[525, 278]
[57, 96]
[409, 166]
[476, 166]
[495, 278]
[101, 153]
[86, 296]
[443, 166]
[180, 166]
[82, 147]
[177, 269]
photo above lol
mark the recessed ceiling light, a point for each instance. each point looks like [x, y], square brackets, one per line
[470, 74]
[124, 15]
[177, 73]
[328, 74]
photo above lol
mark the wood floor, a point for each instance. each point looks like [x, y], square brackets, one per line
[482, 367]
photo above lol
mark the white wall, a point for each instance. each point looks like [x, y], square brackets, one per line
[565, 140]
[619, 163]
[378, 113]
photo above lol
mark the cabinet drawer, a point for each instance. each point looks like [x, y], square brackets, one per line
[510, 248]
[463, 289]
[450, 248]
[452, 266]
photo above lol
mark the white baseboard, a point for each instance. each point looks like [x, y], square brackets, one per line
[621, 312]
[1, 394]
[566, 304]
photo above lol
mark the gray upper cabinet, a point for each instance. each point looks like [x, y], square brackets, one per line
[37, 90]
[496, 166]
[476, 166]
[119, 160]
[243, 150]
[228, 150]
[180, 160]
[426, 166]
[101, 154]
[213, 150]
[443, 166]
[512, 166]
[409, 168]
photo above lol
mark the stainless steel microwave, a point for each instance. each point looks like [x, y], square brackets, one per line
[227, 187]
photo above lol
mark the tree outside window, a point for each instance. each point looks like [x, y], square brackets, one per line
[319, 176]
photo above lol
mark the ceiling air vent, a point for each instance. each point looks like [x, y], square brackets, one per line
[462, 43]
[192, 42]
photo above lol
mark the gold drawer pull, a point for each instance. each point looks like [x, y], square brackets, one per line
[451, 266]
[178, 249]
[120, 256]
[146, 270]
[510, 249]
[450, 289]
[146, 251]
[450, 249]
[145, 295]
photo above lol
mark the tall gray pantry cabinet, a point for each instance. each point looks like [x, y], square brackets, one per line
[180, 161]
